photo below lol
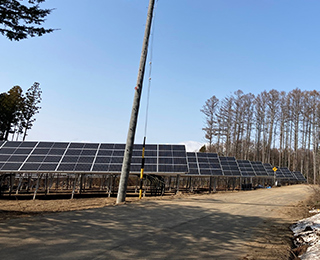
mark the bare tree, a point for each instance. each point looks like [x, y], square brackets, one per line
[276, 127]
[209, 128]
[273, 101]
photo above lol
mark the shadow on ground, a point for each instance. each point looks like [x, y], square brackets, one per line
[147, 230]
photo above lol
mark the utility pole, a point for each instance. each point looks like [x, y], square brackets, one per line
[135, 110]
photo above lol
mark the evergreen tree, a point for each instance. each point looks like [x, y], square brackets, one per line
[10, 110]
[18, 21]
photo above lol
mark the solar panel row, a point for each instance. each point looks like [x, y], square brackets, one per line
[213, 165]
[88, 157]
[108, 157]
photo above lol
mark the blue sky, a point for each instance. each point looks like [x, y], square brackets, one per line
[88, 69]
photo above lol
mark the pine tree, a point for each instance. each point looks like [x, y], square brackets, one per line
[10, 110]
[18, 21]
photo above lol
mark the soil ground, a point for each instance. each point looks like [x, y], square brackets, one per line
[273, 211]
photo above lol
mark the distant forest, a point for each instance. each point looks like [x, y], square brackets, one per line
[273, 127]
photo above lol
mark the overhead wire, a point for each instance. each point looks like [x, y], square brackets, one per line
[150, 68]
[148, 100]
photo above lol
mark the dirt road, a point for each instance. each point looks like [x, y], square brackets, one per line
[217, 226]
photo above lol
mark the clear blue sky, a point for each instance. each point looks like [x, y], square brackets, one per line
[88, 69]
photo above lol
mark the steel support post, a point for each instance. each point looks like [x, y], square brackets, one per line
[20, 183]
[37, 187]
[177, 183]
[215, 184]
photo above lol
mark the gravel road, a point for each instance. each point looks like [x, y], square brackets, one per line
[216, 226]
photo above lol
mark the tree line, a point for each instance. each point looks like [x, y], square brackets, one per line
[17, 111]
[273, 127]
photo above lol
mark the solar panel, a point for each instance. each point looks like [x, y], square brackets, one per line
[22, 151]
[48, 167]
[246, 168]
[86, 159]
[229, 166]
[30, 167]
[4, 157]
[165, 153]
[92, 146]
[269, 169]
[259, 169]
[149, 153]
[192, 164]
[99, 167]
[287, 173]
[12, 144]
[52, 158]
[299, 176]
[60, 145]
[119, 153]
[8, 166]
[17, 158]
[28, 144]
[56, 151]
[7, 151]
[105, 152]
[170, 158]
[41, 151]
[107, 146]
[68, 159]
[106, 160]
[47, 145]
[73, 152]
[279, 173]
[66, 167]
[76, 145]
[83, 167]
[119, 146]
[205, 164]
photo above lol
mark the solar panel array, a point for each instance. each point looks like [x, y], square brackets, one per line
[89, 157]
[210, 164]
[100, 158]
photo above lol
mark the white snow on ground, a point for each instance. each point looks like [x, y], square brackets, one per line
[307, 232]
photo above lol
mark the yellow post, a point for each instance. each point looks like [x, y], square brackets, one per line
[142, 167]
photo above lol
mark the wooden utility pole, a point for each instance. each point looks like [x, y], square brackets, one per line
[135, 110]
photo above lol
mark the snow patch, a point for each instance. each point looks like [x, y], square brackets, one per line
[307, 232]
